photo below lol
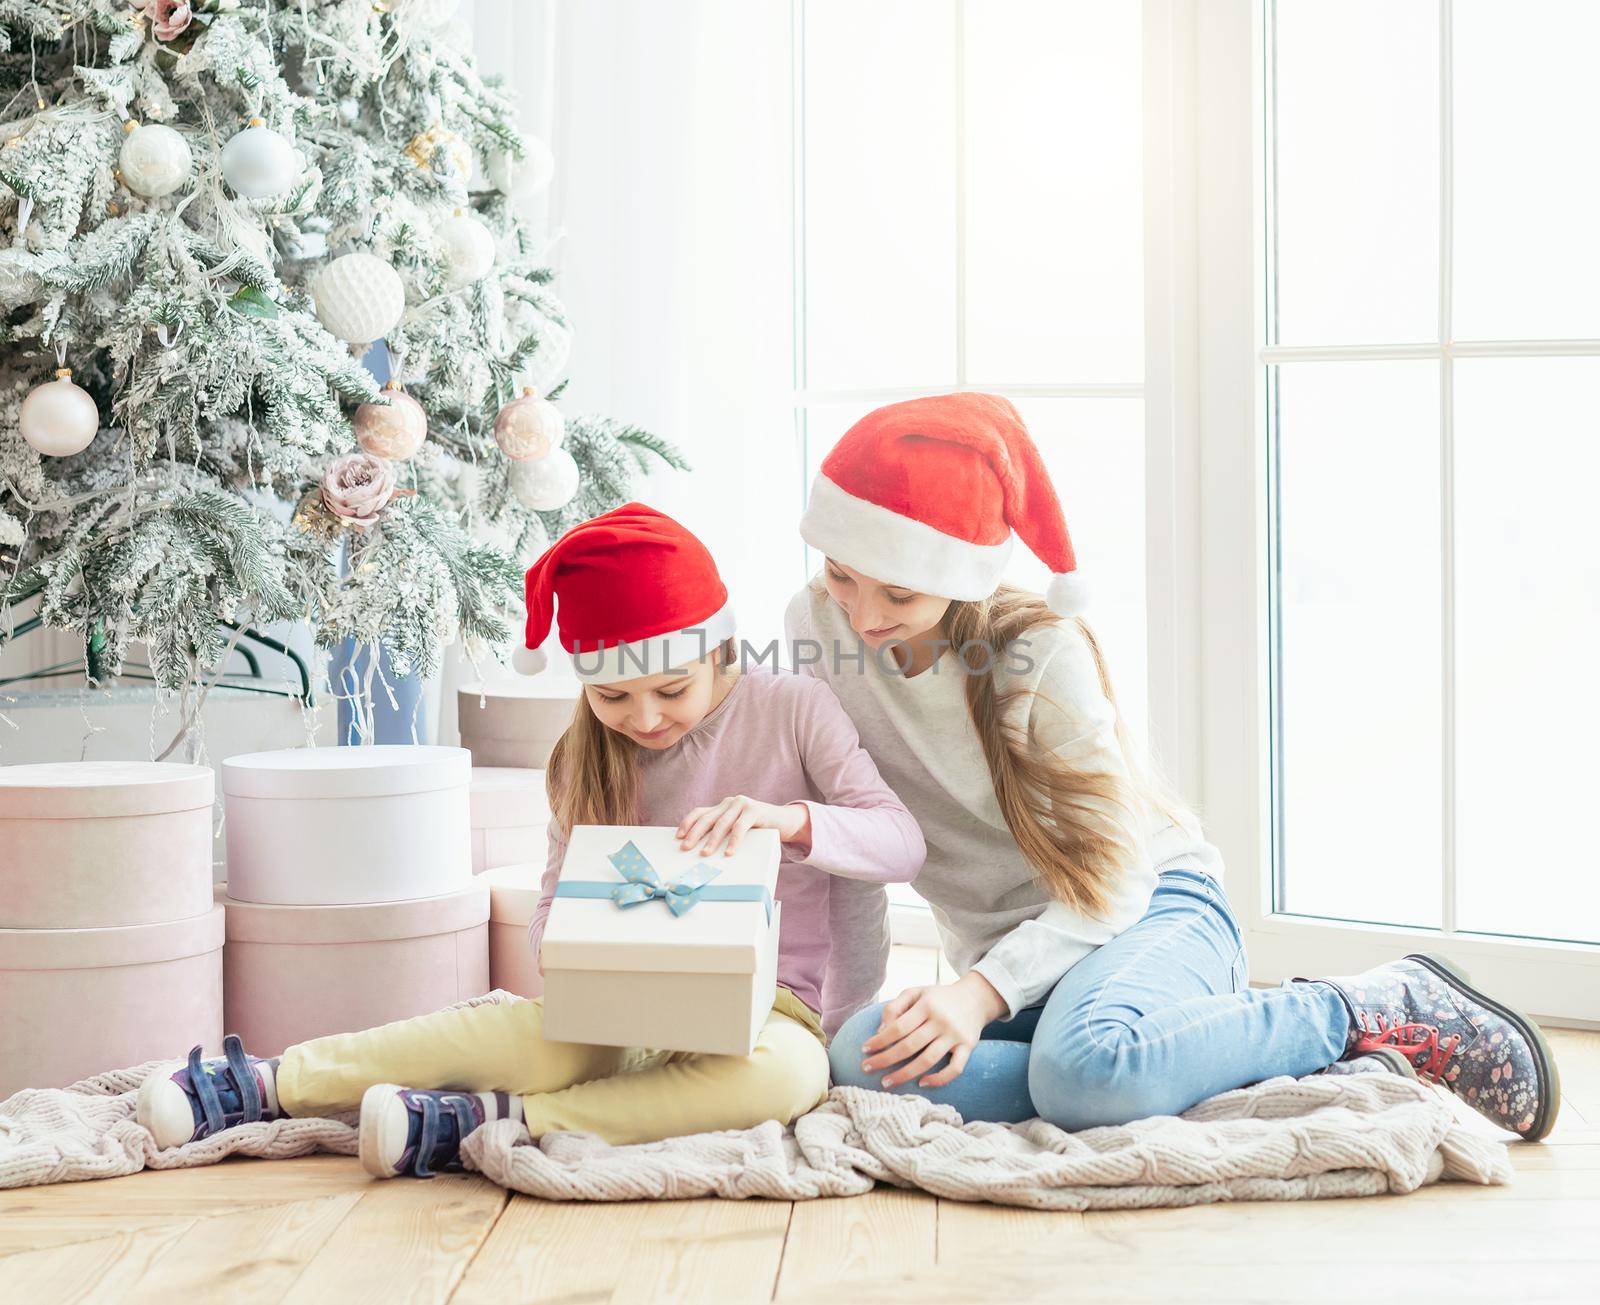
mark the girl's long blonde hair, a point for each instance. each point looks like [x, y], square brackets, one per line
[1079, 829]
[592, 777]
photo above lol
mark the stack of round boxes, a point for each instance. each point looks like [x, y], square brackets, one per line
[351, 898]
[110, 944]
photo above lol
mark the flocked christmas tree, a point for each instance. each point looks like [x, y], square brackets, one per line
[214, 207]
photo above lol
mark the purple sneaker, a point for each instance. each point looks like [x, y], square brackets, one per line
[203, 1097]
[1489, 1054]
[419, 1131]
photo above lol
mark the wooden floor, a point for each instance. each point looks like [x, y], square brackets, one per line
[318, 1230]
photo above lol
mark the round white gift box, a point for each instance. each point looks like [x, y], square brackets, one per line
[513, 894]
[102, 844]
[299, 972]
[76, 1002]
[516, 723]
[329, 826]
[510, 812]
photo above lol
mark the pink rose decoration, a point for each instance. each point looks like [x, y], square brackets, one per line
[356, 488]
[169, 19]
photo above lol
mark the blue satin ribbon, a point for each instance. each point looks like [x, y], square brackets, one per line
[642, 883]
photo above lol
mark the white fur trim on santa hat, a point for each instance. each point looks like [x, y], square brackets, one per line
[652, 656]
[898, 550]
[1067, 594]
[529, 661]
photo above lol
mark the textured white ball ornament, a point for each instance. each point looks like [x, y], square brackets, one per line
[59, 418]
[549, 362]
[394, 430]
[154, 160]
[524, 177]
[529, 427]
[257, 162]
[359, 297]
[468, 248]
[547, 483]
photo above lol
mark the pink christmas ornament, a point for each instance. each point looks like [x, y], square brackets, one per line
[392, 428]
[529, 427]
[357, 487]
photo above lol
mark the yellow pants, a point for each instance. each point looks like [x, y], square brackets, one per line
[621, 1094]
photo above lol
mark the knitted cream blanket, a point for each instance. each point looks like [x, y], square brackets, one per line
[1282, 1140]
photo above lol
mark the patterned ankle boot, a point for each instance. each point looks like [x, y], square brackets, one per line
[418, 1131]
[203, 1097]
[1491, 1056]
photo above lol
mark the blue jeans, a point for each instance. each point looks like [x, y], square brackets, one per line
[1154, 1021]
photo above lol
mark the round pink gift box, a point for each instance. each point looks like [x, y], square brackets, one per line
[76, 1002]
[299, 972]
[513, 895]
[514, 724]
[510, 811]
[327, 826]
[102, 844]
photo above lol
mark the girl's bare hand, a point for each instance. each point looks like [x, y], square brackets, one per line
[723, 825]
[923, 1026]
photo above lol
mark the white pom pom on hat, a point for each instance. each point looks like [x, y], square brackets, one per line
[926, 494]
[529, 661]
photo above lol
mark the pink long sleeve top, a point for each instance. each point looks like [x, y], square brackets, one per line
[781, 738]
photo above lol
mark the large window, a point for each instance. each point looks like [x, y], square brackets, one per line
[969, 216]
[1399, 593]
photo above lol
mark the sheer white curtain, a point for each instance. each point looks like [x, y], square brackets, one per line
[670, 218]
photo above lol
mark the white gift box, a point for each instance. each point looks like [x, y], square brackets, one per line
[643, 976]
[342, 826]
[510, 811]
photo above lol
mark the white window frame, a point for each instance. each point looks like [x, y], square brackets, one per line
[1206, 379]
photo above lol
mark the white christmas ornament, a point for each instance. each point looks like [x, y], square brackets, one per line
[359, 297]
[59, 418]
[468, 248]
[524, 177]
[257, 162]
[529, 427]
[155, 160]
[547, 483]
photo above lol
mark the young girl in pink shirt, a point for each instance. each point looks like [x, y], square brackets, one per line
[668, 731]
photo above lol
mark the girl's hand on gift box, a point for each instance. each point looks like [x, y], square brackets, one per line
[723, 825]
[922, 1026]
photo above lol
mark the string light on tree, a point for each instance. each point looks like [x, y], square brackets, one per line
[392, 428]
[545, 484]
[359, 297]
[529, 427]
[154, 159]
[59, 418]
[258, 162]
[468, 248]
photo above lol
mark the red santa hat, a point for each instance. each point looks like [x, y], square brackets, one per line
[632, 592]
[925, 494]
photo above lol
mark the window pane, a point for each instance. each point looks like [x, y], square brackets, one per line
[1054, 236]
[880, 225]
[1527, 629]
[1527, 179]
[1357, 172]
[1359, 604]
[1094, 449]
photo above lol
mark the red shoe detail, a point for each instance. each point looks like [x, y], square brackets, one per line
[1419, 1043]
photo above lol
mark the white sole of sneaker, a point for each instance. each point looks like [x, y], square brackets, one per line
[162, 1108]
[385, 1122]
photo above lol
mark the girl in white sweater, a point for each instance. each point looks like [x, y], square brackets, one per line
[1104, 976]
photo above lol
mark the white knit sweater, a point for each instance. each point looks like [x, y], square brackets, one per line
[993, 914]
